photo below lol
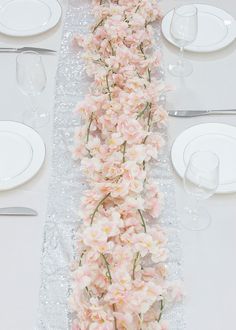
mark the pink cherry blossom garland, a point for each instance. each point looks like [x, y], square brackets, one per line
[119, 277]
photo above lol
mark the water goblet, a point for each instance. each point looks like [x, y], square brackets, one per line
[31, 79]
[183, 28]
[201, 180]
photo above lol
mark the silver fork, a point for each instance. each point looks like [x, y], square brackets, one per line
[196, 113]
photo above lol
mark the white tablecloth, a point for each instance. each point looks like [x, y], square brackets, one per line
[209, 256]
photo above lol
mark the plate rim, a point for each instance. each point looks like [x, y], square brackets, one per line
[221, 189]
[29, 172]
[29, 145]
[231, 32]
[53, 21]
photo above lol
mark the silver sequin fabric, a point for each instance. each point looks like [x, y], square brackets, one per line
[67, 184]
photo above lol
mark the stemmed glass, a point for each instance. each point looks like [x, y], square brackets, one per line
[184, 27]
[31, 79]
[201, 180]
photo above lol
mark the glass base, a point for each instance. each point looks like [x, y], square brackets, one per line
[182, 68]
[195, 219]
[36, 119]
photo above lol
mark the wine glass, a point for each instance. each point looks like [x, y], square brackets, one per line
[183, 28]
[201, 180]
[31, 79]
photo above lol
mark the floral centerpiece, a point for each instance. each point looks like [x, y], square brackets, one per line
[119, 275]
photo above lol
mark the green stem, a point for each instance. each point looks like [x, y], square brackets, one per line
[115, 321]
[149, 75]
[107, 267]
[161, 310]
[99, 24]
[145, 139]
[142, 51]
[87, 289]
[90, 155]
[149, 121]
[143, 221]
[110, 280]
[135, 265]
[144, 165]
[108, 88]
[89, 126]
[149, 126]
[112, 49]
[97, 207]
[136, 10]
[148, 105]
[81, 257]
[124, 150]
[145, 57]
[101, 62]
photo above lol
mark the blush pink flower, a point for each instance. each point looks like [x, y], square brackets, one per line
[143, 243]
[123, 278]
[115, 140]
[130, 129]
[125, 320]
[132, 203]
[120, 189]
[122, 254]
[110, 228]
[175, 291]
[112, 170]
[84, 275]
[79, 151]
[137, 153]
[153, 206]
[94, 236]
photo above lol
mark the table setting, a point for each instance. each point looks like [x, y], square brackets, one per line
[118, 162]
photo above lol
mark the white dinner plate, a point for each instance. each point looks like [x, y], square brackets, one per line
[216, 29]
[22, 153]
[218, 138]
[22, 18]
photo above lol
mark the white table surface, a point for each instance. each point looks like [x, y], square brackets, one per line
[209, 256]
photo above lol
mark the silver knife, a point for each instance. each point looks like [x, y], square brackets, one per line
[196, 113]
[17, 211]
[24, 49]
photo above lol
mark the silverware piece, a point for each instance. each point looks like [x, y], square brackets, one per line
[23, 49]
[17, 211]
[196, 113]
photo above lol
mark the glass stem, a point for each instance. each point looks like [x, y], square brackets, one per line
[195, 210]
[192, 210]
[33, 104]
[181, 56]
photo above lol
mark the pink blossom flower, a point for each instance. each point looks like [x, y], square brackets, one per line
[131, 129]
[143, 243]
[120, 189]
[125, 320]
[94, 236]
[137, 153]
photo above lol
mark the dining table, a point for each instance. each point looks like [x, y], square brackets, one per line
[208, 256]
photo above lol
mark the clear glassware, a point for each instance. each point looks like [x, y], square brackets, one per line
[31, 79]
[201, 180]
[183, 28]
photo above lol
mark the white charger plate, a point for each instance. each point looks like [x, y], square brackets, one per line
[22, 153]
[216, 29]
[218, 138]
[23, 18]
